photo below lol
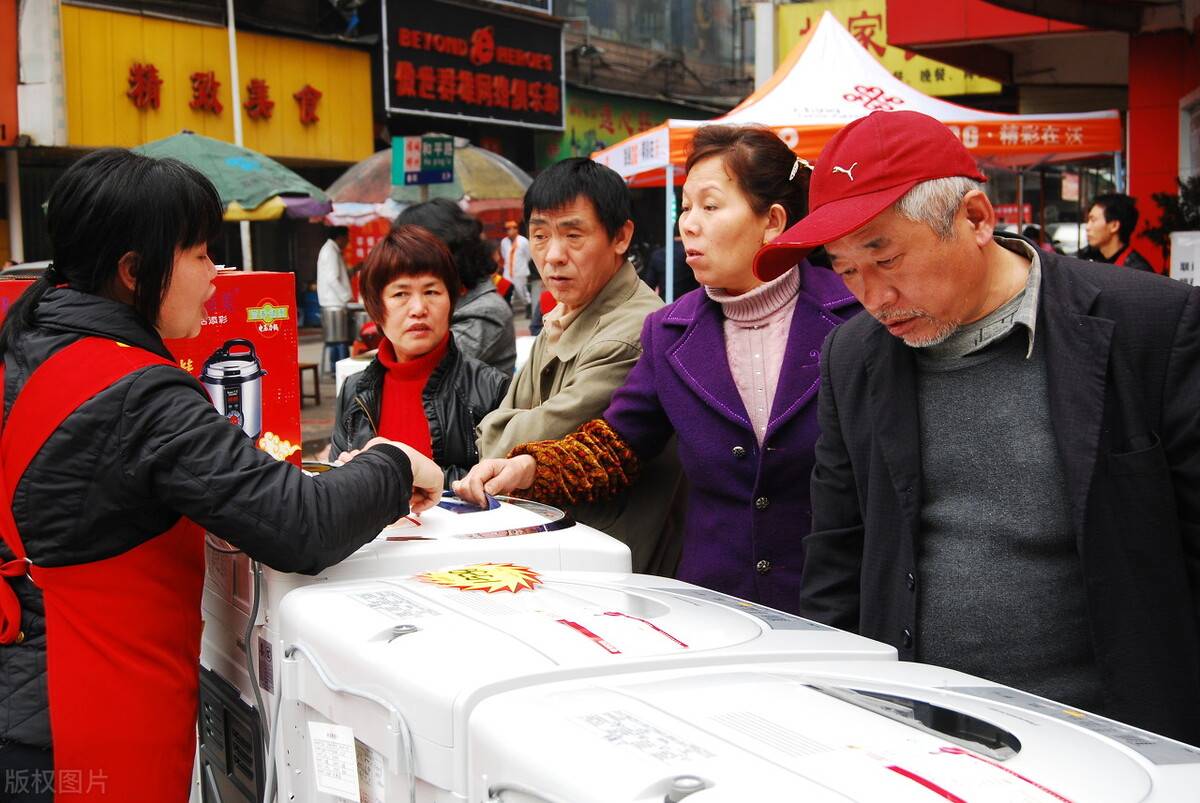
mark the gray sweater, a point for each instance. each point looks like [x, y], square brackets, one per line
[1000, 588]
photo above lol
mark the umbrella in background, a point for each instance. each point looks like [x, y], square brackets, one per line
[251, 186]
[485, 179]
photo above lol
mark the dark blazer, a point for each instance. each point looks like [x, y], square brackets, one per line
[747, 508]
[1123, 370]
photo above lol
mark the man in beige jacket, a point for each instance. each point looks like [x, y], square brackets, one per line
[579, 232]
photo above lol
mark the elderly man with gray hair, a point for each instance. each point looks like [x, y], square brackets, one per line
[1007, 480]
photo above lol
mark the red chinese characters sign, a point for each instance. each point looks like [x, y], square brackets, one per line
[258, 103]
[144, 85]
[145, 93]
[307, 97]
[204, 92]
[482, 66]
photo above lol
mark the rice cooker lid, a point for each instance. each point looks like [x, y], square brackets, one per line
[232, 370]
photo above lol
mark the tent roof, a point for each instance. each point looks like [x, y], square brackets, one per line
[829, 79]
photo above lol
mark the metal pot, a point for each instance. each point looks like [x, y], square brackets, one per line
[234, 382]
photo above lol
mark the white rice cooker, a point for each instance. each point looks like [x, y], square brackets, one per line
[232, 376]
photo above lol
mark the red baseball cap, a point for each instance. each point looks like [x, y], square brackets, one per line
[863, 170]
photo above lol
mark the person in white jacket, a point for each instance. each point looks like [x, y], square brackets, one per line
[514, 250]
[333, 288]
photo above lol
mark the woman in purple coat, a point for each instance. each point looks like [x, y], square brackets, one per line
[732, 368]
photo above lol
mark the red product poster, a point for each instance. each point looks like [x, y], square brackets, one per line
[246, 356]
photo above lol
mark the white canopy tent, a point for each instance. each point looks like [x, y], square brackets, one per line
[829, 80]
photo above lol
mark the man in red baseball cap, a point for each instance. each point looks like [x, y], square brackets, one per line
[1007, 480]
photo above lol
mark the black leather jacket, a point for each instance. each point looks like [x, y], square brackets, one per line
[459, 393]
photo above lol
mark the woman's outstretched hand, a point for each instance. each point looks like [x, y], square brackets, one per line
[495, 477]
[427, 476]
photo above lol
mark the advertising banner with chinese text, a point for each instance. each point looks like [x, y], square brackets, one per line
[146, 78]
[596, 120]
[448, 60]
[866, 20]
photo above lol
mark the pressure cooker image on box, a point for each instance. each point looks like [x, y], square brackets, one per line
[233, 378]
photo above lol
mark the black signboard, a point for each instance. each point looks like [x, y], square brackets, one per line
[545, 6]
[448, 60]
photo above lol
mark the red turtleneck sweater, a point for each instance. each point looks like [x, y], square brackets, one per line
[401, 412]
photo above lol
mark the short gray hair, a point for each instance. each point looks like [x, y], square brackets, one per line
[935, 202]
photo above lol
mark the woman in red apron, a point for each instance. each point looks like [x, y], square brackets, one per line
[112, 464]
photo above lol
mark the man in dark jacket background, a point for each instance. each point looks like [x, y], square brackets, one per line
[1007, 480]
[1109, 229]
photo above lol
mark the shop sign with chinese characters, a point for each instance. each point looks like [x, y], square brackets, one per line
[595, 120]
[422, 160]
[145, 91]
[866, 20]
[447, 60]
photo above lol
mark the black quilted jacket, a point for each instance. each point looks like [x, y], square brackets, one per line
[130, 461]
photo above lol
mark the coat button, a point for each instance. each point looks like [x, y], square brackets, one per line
[739, 451]
[910, 581]
[762, 503]
[763, 566]
[907, 638]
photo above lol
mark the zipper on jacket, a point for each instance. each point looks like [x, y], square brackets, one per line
[358, 400]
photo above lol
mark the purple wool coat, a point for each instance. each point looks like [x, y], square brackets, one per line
[748, 507]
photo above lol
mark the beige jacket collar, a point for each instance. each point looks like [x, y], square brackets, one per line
[620, 289]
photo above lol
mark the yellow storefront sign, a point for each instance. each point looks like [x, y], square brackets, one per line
[867, 21]
[132, 79]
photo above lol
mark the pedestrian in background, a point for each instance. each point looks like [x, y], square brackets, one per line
[1110, 225]
[334, 293]
[514, 251]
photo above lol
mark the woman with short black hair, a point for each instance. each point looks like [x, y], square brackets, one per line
[113, 463]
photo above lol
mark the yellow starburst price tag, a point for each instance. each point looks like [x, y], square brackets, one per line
[489, 577]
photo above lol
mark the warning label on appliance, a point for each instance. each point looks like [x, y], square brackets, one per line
[393, 603]
[371, 767]
[334, 760]
[623, 728]
[1156, 749]
[776, 620]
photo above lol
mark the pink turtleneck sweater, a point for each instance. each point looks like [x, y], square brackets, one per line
[756, 333]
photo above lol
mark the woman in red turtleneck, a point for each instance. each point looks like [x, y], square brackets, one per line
[419, 389]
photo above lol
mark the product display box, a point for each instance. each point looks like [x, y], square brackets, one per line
[245, 355]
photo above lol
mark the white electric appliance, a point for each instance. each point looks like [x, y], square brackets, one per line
[403, 662]
[232, 752]
[595, 688]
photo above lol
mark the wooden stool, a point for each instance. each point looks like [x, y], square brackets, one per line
[316, 377]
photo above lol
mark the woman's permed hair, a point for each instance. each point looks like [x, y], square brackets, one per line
[760, 163]
[407, 250]
[114, 202]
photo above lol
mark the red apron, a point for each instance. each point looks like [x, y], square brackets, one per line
[122, 634]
